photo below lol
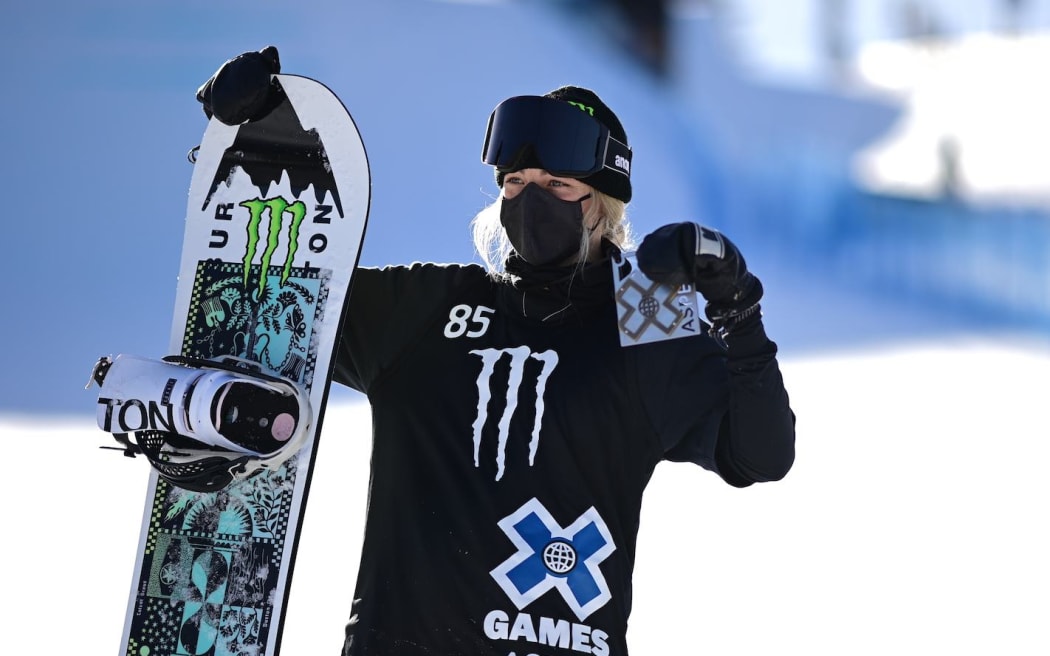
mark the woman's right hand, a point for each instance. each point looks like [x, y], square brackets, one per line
[242, 89]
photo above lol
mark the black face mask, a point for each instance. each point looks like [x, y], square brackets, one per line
[542, 228]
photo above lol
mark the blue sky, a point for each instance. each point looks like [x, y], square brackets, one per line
[104, 115]
[101, 115]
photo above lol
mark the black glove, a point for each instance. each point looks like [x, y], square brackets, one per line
[242, 89]
[684, 253]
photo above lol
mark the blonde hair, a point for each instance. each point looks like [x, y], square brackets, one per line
[490, 239]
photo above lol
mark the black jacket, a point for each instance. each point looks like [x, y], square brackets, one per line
[513, 438]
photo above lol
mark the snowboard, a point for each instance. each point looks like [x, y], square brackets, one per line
[276, 216]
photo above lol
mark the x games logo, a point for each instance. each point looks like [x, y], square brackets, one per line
[552, 557]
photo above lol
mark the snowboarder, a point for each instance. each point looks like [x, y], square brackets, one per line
[513, 434]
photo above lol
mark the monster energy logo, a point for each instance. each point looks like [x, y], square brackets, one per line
[277, 208]
[519, 357]
[586, 108]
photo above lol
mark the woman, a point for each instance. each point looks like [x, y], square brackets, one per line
[513, 436]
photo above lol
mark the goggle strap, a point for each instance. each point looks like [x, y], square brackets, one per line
[617, 156]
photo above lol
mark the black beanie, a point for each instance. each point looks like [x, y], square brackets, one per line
[607, 181]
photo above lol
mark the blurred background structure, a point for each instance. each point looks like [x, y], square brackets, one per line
[901, 145]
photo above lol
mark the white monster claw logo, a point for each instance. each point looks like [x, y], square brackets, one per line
[519, 356]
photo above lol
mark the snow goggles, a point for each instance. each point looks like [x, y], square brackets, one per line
[565, 140]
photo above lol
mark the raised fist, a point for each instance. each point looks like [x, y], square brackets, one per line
[682, 253]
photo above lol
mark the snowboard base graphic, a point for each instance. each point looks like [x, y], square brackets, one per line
[276, 216]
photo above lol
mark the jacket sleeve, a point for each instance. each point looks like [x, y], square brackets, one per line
[756, 438]
[724, 409]
[372, 302]
[388, 309]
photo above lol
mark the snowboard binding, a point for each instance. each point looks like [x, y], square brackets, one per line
[201, 423]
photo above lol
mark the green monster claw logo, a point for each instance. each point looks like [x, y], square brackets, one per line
[586, 108]
[277, 208]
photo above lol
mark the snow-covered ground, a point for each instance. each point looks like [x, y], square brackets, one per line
[912, 523]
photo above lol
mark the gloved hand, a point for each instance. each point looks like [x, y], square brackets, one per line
[242, 89]
[682, 253]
